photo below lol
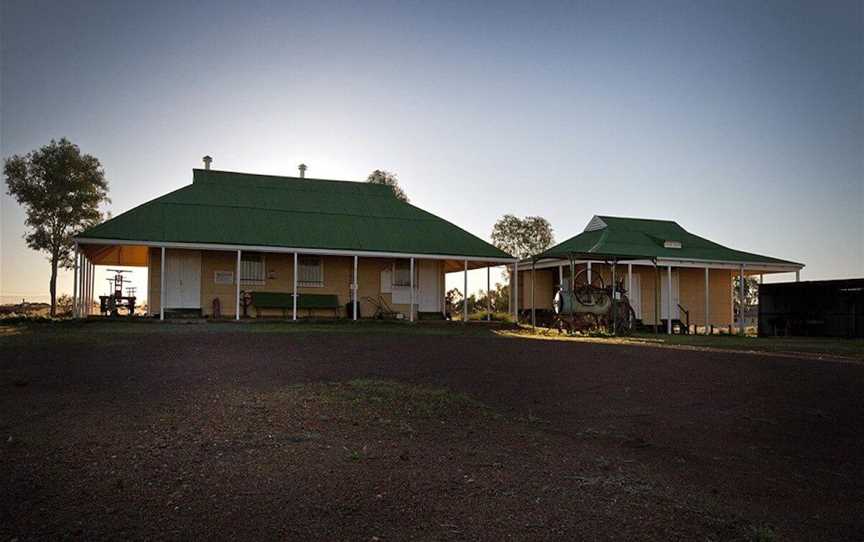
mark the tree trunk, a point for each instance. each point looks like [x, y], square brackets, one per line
[53, 285]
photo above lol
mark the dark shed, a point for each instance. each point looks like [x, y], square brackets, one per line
[820, 308]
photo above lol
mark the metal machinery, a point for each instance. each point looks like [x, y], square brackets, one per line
[581, 305]
[111, 304]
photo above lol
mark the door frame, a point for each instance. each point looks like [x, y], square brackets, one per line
[189, 263]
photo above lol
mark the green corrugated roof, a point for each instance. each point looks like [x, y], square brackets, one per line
[222, 207]
[616, 237]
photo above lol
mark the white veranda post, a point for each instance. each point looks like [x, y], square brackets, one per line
[237, 289]
[515, 282]
[162, 285]
[465, 296]
[354, 289]
[75, 284]
[589, 272]
[669, 299]
[411, 283]
[614, 296]
[294, 293]
[90, 287]
[707, 307]
[741, 300]
[85, 305]
[82, 287]
[533, 281]
[630, 278]
[488, 293]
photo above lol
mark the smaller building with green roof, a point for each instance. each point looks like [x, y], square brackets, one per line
[649, 259]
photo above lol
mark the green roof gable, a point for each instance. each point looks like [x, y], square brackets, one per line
[639, 238]
[228, 208]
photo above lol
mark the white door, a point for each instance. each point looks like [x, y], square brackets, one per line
[183, 279]
[634, 293]
[664, 295]
[429, 294]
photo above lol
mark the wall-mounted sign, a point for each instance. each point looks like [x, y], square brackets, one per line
[223, 277]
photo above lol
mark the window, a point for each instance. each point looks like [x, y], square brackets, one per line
[310, 272]
[251, 268]
[402, 273]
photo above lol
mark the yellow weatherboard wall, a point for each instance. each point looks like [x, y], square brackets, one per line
[279, 277]
[691, 290]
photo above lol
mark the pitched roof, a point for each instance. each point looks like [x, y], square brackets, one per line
[222, 207]
[639, 238]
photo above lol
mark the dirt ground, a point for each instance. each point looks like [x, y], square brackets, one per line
[181, 432]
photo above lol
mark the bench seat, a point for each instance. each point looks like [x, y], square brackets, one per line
[285, 301]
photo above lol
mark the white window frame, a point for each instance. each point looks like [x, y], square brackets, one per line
[397, 284]
[310, 284]
[254, 282]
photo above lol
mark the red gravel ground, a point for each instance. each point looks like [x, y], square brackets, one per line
[167, 432]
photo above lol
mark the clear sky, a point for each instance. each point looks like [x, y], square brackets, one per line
[744, 121]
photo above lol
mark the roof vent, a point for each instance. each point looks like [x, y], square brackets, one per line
[302, 168]
[207, 161]
[596, 223]
[672, 244]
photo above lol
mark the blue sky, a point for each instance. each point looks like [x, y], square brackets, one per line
[743, 121]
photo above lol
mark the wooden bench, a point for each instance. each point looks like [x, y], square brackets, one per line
[285, 301]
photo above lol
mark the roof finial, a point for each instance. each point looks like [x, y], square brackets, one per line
[207, 161]
[302, 168]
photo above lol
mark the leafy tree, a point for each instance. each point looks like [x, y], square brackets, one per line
[380, 176]
[61, 191]
[751, 294]
[453, 299]
[522, 237]
[500, 297]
